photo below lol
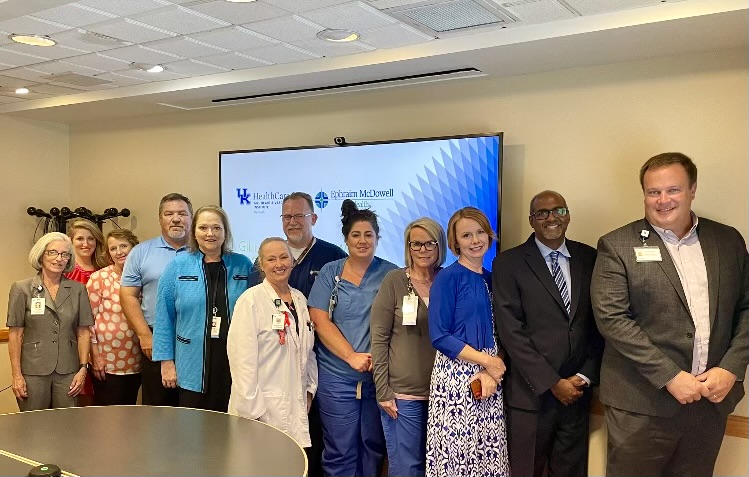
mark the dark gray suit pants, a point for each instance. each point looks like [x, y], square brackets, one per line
[47, 392]
[684, 445]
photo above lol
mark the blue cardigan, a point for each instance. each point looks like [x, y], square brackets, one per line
[181, 325]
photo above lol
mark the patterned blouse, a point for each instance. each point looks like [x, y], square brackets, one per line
[117, 342]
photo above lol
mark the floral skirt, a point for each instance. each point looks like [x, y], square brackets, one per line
[465, 436]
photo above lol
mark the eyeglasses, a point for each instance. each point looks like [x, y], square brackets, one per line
[543, 214]
[54, 253]
[416, 246]
[298, 217]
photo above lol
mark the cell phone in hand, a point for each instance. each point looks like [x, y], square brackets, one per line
[476, 388]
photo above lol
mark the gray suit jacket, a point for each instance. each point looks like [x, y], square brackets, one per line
[642, 313]
[50, 341]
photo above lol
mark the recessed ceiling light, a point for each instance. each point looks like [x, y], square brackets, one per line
[22, 91]
[338, 36]
[147, 67]
[33, 40]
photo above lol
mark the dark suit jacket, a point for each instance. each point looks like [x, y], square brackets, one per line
[50, 341]
[642, 312]
[543, 344]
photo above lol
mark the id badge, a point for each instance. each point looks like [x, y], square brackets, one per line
[37, 306]
[648, 254]
[410, 308]
[215, 326]
[278, 321]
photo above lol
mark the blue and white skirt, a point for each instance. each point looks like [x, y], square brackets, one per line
[465, 436]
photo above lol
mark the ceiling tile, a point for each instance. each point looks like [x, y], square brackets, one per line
[234, 38]
[9, 99]
[393, 36]
[131, 30]
[326, 48]
[30, 95]
[10, 57]
[194, 68]
[180, 20]
[351, 16]
[238, 13]
[57, 67]
[123, 7]
[31, 25]
[283, 53]
[150, 77]
[55, 90]
[234, 61]
[288, 29]
[89, 41]
[591, 7]
[50, 53]
[120, 80]
[7, 82]
[538, 11]
[304, 5]
[27, 74]
[74, 15]
[98, 62]
[140, 54]
[186, 47]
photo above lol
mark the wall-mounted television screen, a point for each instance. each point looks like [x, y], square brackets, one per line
[400, 180]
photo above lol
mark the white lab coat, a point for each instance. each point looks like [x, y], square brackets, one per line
[270, 381]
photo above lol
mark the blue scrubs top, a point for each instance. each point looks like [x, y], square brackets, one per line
[144, 266]
[351, 314]
[460, 311]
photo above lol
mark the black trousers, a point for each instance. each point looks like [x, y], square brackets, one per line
[117, 389]
[684, 445]
[154, 393]
[555, 438]
[314, 453]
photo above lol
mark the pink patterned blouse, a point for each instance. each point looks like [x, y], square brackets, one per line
[117, 342]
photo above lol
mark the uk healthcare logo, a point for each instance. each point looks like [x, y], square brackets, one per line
[244, 197]
[321, 199]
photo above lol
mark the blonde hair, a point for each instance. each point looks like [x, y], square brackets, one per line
[467, 213]
[101, 258]
[261, 257]
[435, 231]
[35, 255]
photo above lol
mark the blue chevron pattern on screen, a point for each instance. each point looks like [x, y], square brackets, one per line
[466, 172]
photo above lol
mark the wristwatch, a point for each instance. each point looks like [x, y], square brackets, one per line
[85, 365]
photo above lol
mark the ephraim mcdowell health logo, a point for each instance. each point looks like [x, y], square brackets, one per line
[321, 199]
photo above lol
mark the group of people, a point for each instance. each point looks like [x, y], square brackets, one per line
[450, 371]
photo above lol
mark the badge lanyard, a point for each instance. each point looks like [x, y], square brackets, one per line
[38, 301]
[410, 304]
[280, 320]
[215, 320]
[333, 297]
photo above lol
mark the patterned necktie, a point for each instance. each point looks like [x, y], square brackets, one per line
[556, 272]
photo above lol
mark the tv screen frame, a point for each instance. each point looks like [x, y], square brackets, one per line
[458, 144]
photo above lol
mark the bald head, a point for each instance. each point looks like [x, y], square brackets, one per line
[549, 218]
[544, 195]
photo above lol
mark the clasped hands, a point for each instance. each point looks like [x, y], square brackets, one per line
[714, 384]
[490, 376]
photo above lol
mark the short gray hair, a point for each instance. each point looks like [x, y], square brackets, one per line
[37, 251]
[261, 257]
[435, 231]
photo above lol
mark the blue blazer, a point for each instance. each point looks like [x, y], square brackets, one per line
[181, 325]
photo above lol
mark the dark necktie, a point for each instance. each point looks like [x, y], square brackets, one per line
[556, 272]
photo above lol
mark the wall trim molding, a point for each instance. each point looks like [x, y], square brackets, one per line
[3, 335]
[736, 426]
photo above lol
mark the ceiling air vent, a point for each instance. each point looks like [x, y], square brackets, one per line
[446, 16]
[75, 79]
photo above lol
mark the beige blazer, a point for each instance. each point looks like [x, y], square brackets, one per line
[50, 340]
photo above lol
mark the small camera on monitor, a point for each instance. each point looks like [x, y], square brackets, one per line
[339, 140]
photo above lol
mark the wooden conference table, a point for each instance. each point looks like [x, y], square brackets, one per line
[147, 441]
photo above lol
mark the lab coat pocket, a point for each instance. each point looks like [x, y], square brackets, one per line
[276, 411]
